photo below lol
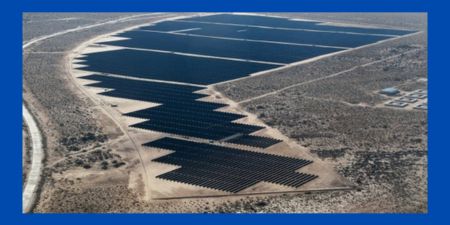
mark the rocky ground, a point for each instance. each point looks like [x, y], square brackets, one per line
[383, 151]
[411, 21]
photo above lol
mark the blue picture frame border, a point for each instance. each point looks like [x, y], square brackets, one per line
[12, 98]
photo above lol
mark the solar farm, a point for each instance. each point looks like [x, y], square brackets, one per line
[175, 64]
[227, 112]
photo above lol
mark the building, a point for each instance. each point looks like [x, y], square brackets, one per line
[390, 91]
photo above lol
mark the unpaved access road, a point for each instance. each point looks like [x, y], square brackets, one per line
[37, 152]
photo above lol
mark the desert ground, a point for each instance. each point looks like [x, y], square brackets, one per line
[327, 109]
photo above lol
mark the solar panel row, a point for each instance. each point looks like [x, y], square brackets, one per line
[192, 129]
[274, 35]
[250, 140]
[180, 111]
[174, 101]
[227, 169]
[169, 67]
[206, 116]
[254, 20]
[250, 50]
[118, 82]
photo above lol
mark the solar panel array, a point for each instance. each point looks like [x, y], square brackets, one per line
[227, 169]
[206, 165]
[205, 50]
[217, 48]
[181, 112]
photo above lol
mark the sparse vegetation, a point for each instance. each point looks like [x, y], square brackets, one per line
[276, 80]
[382, 151]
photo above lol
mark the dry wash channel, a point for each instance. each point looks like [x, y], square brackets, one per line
[194, 143]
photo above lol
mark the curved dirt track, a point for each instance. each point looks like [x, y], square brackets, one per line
[34, 175]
